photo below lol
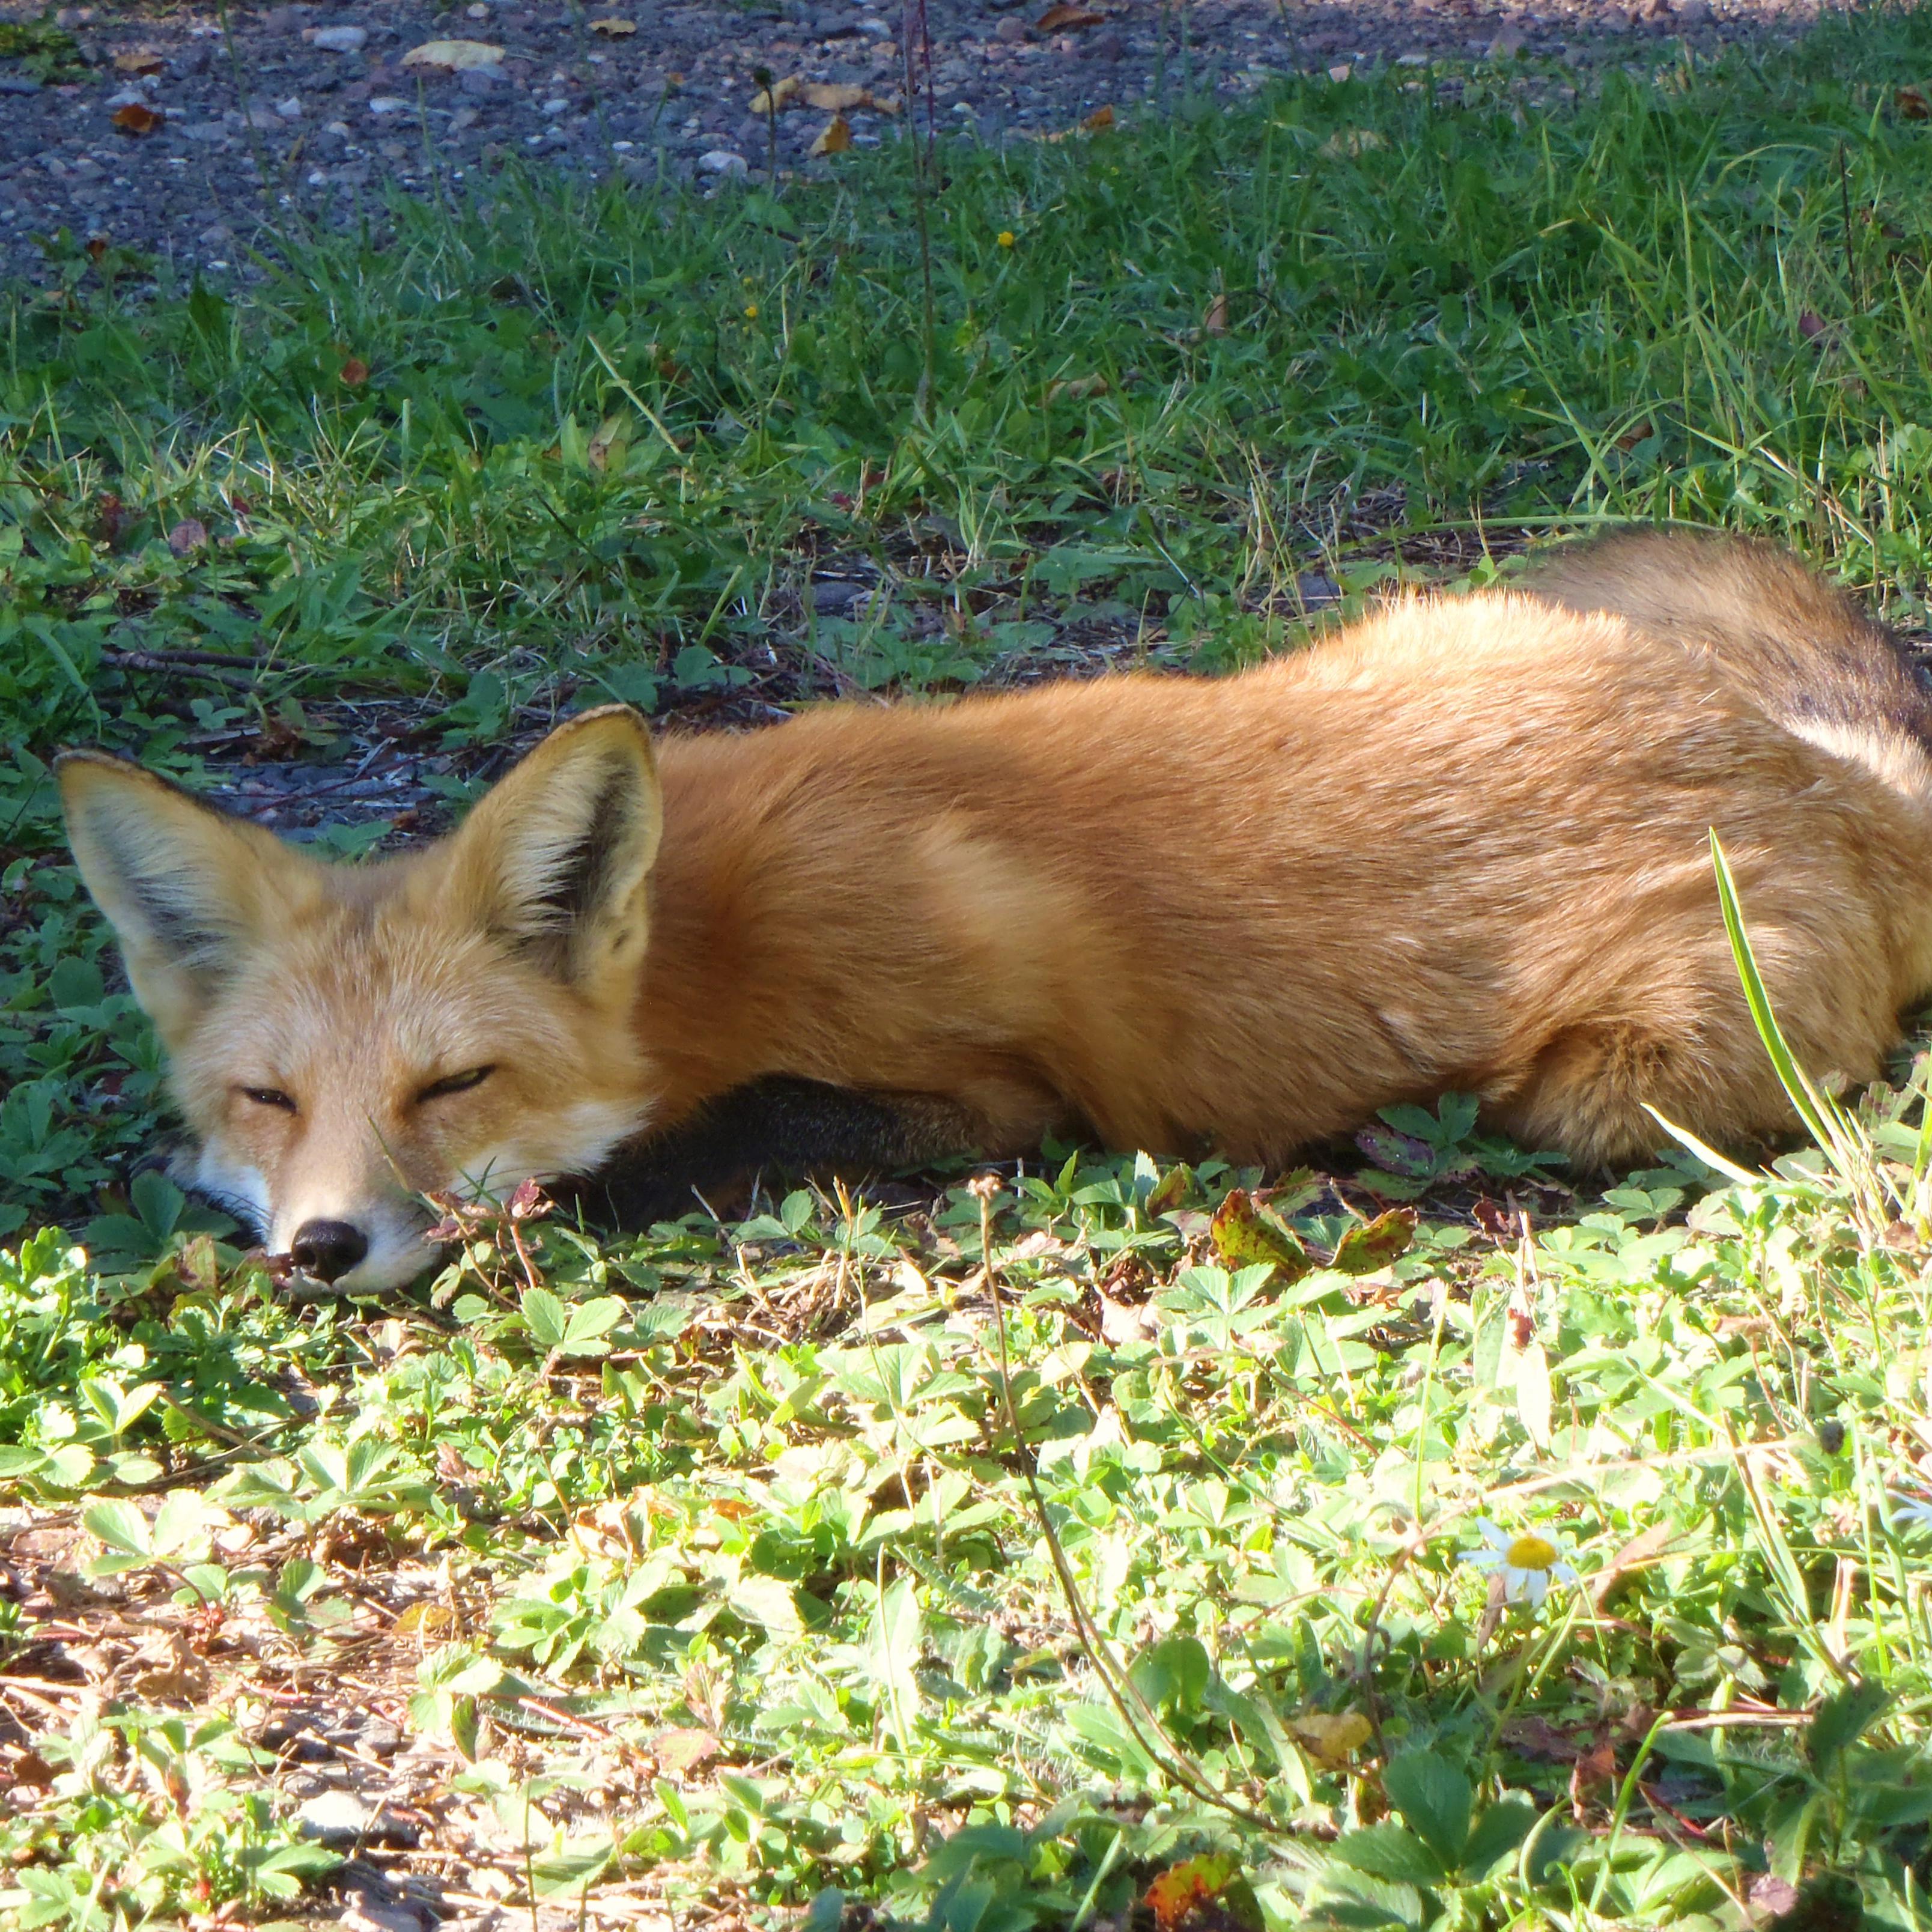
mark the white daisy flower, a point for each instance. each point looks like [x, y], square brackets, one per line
[1911, 1513]
[1527, 1563]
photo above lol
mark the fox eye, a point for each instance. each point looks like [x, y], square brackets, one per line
[456, 1083]
[269, 1096]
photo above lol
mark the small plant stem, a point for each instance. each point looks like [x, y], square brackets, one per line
[918, 68]
[1142, 1725]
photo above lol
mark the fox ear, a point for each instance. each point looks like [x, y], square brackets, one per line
[183, 886]
[556, 859]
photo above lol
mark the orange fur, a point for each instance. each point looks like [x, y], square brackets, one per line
[1461, 845]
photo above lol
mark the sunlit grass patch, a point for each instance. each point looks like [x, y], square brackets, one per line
[1095, 1546]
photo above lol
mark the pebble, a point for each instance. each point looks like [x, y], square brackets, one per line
[383, 105]
[290, 109]
[722, 162]
[338, 39]
[340, 1819]
[1012, 30]
[480, 80]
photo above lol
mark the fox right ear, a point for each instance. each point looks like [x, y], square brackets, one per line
[556, 860]
[183, 886]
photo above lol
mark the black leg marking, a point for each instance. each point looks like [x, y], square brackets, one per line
[794, 1126]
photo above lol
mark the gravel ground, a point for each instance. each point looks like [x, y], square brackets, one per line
[315, 107]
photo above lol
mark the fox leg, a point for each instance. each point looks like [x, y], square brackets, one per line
[796, 1126]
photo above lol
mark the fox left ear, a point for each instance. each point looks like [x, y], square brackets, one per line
[186, 888]
[556, 859]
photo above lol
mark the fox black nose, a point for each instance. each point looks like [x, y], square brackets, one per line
[328, 1249]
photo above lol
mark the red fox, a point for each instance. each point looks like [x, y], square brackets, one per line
[1460, 845]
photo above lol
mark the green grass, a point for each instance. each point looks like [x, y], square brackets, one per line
[711, 1566]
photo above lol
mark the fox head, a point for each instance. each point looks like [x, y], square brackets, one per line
[343, 1039]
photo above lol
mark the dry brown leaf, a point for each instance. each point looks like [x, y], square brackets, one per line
[1215, 322]
[615, 28]
[834, 137]
[1078, 387]
[427, 1620]
[836, 97]
[1330, 1737]
[1064, 17]
[769, 100]
[136, 119]
[613, 433]
[188, 536]
[355, 372]
[454, 56]
[1913, 104]
[682, 1750]
[1099, 121]
[142, 61]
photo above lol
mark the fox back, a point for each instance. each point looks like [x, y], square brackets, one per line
[1462, 845]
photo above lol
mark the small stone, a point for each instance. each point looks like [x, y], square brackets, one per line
[1012, 30]
[1507, 44]
[209, 131]
[480, 80]
[721, 161]
[340, 1819]
[74, 16]
[284, 19]
[339, 39]
[213, 236]
[1412, 60]
[259, 119]
[556, 106]
[290, 109]
[877, 29]
[1693, 13]
[127, 96]
[478, 12]
[16, 84]
[1104, 46]
[386, 106]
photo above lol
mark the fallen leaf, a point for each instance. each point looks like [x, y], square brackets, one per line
[1329, 1737]
[1099, 121]
[685, 1749]
[1376, 1243]
[1913, 104]
[769, 100]
[1810, 324]
[834, 138]
[1538, 1739]
[426, 1620]
[1077, 387]
[1215, 322]
[1352, 141]
[355, 372]
[140, 61]
[454, 56]
[615, 28]
[613, 432]
[188, 536]
[136, 119]
[97, 246]
[1169, 1191]
[835, 97]
[1207, 1891]
[1064, 17]
[1245, 1235]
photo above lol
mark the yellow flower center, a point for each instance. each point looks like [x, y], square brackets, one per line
[1006, 238]
[751, 311]
[1531, 1552]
